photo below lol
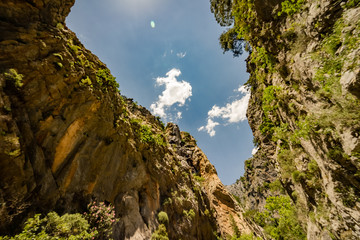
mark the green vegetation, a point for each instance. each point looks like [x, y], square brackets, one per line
[263, 59]
[290, 7]
[13, 76]
[95, 224]
[248, 164]
[86, 82]
[198, 178]
[279, 219]
[163, 217]
[59, 26]
[269, 105]
[14, 153]
[186, 137]
[74, 48]
[270, 98]
[332, 61]
[145, 133]
[52, 226]
[190, 214]
[160, 233]
[352, 3]
[105, 79]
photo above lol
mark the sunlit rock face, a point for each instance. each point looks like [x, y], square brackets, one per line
[67, 136]
[304, 113]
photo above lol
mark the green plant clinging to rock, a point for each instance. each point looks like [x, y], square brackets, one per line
[279, 219]
[52, 226]
[13, 76]
[163, 217]
[160, 233]
[97, 223]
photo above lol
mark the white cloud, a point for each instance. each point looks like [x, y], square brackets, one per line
[176, 92]
[181, 54]
[209, 127]
[233, 112]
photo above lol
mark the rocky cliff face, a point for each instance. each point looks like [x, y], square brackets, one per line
[67, 136]
[304, 113]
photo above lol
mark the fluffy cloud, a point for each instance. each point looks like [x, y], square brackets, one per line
[232, 112]
[176, 92]
[209, 127]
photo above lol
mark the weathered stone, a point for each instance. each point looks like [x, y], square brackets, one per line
[65, 141]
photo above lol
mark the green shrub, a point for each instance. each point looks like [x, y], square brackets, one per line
[160, 233]
[52, 226]
[14, 77]
[279, 219]
[163, 217]
[144, 132]
[104, 78]
[290, 7]
[298, 176]
[102, 218]
[286, 161]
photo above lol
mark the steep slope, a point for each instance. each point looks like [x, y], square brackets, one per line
[304, 112]
[67, 136]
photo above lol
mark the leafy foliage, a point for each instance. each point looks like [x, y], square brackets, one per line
[279, 219]
[160, 233]
[104, 78]
[101, 217]
[229, 41]
[145, 133]
[163, 217]
[52, 226]
[13, 76]
[290, 7]
[95, 224]
[269, 105]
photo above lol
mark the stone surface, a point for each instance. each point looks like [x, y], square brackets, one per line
[317, 103]
[67, 137]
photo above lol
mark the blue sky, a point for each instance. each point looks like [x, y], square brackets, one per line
[165, 54]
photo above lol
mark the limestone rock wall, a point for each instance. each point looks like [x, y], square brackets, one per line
[304, 112]
[67, 136]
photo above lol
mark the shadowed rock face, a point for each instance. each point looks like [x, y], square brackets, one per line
[67, 137]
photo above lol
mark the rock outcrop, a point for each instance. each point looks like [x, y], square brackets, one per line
[304, 112]
[67, 136]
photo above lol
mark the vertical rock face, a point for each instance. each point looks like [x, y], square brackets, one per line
[67, 136]
[304, 113]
